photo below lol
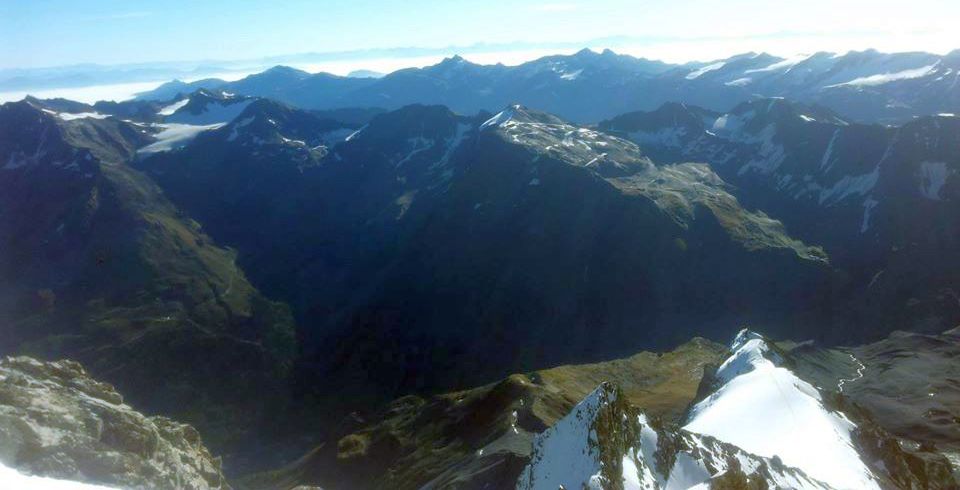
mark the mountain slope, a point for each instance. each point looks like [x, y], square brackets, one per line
[483, 436]
[521, 231]
[97, 265]
[877, 198]
[908, 382]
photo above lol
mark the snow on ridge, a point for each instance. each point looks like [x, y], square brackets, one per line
[176, 106]
[695, 74]
[882, 78]
[763, 408]
[501, 117]
[214, 112]
[787, 63]
[568, 452]
[572, 454]
[70, 116]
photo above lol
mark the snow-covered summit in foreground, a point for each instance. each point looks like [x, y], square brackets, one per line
[762, 407]
[761, 425]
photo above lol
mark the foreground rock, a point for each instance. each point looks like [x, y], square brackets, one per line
[56, 421]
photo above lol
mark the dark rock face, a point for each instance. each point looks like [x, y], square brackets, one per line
[98, 266]
[57, 421]
[879, 199]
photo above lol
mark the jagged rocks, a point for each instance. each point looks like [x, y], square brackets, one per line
[58, 422]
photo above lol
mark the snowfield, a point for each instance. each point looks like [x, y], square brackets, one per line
[882, 78]
[174, 136]
[761, 422]
[765, 409]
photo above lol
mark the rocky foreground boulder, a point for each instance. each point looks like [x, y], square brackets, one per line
[58, 422]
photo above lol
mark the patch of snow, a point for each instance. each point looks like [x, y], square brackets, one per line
[740, 82]
[534, 182]
[787, 64]
[175, 136]
[825, 161]
[13, 479]
[355, 133]
[706, 69]
[883, 78]
[571, 75]
[67, 116]
[933, 175]
[452, 144]
[176, 106]
[499, 119]
[764, 409]
[850, 185]
[214, 112]
[807, 118]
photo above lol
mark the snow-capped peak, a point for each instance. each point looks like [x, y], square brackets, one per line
[762, 426]
[763, 408]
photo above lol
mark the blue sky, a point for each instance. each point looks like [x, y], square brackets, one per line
[35, 33]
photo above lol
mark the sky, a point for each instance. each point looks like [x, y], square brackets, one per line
[41, 33]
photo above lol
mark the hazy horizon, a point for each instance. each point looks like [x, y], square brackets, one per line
[56, 33]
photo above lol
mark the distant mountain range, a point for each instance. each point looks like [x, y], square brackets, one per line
[586, 87]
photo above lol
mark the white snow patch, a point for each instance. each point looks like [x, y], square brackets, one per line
[740, 82]
[570, 76]
[883, 78]
[501, 117]
[706, 69]
[355, 133]
[213, 113]
[825, 161]
[13, 479]
[787, 64]
[176, 106]
[807, 118]
[175, 136]
[68, 116]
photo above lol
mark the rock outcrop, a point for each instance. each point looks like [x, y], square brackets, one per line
[58, 422]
